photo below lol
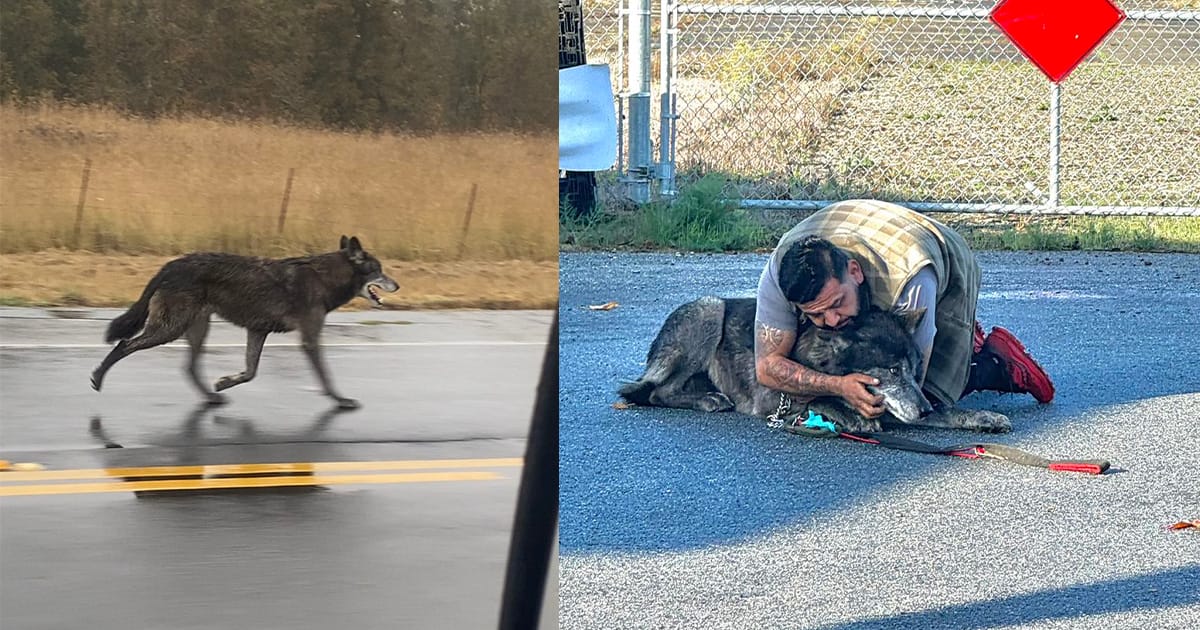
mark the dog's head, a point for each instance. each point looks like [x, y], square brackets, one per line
[367, 272]
[879, 344]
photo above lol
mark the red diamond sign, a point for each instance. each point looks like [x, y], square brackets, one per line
[1056, 35]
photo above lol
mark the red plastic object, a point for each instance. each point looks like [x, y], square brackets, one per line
[1094, 469]
[1056, 35]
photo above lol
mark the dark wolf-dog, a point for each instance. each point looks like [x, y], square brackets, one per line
[703, 359]
[262, 295]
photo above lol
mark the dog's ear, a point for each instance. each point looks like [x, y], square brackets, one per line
[911, 319]
[355, 246]
[344, 242]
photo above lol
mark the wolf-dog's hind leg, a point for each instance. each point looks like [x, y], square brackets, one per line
[161, 327]
[254, 345]
[695, 393]
[310, 337]
[196, 334]
[679, 358]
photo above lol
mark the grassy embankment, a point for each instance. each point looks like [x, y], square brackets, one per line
[160, 188]
[704, 222]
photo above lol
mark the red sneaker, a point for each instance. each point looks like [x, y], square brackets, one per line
[978, 337]
[1025, 373]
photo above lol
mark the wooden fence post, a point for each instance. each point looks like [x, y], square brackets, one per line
[287, 194]
[87, 173]
[462, 241]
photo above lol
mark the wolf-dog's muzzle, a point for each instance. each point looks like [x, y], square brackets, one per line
[372, 287]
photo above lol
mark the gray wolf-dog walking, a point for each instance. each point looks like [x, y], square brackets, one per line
[703, 359]
[262, 295]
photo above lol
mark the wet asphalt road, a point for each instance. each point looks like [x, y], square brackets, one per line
[421, 542]
[674, 518]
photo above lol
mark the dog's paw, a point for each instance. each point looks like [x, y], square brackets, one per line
[215, 399]
[715, 401]
[347, 403]
[990, 422]
[97, 381]
[225, 382]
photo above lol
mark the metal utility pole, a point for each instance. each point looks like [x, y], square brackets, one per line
[638, 174]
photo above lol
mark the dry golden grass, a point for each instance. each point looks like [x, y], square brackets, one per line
[62, 277]
[171, 186]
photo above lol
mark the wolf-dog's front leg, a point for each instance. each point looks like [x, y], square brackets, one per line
[310, 337]
[254, 346]
[955, 417]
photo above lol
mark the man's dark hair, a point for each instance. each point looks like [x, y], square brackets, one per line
[807, 265]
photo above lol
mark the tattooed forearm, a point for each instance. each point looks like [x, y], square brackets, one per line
[775, 370]
[770, 340]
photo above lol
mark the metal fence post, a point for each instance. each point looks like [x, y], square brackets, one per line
[83, 186]
[640, 153]
[1055, 127]
[287, 195]
[666, 112]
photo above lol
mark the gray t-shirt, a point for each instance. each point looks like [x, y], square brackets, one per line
[774, 310]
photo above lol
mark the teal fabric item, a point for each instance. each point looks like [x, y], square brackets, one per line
[815, 421]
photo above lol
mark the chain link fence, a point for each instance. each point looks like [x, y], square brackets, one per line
[921, 102]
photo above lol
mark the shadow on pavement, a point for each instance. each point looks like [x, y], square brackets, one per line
[1166, 589]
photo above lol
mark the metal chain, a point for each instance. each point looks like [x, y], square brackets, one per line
[775, 420]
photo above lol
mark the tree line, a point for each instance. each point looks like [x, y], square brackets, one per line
[401, 65]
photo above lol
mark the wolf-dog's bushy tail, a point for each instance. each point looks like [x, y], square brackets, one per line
[130, 322]
[638, 392]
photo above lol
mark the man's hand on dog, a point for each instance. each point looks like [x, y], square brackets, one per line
[853, 388]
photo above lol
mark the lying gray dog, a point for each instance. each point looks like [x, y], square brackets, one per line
[703, 359]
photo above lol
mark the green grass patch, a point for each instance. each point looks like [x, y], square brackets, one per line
[700, 219]
[1130, 234]
[72, 297]
[13, 300]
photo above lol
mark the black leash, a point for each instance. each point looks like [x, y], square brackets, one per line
[976, 450]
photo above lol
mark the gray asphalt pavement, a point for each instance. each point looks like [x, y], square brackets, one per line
[677, 519]
[420, 541]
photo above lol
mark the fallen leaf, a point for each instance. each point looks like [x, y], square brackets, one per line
[621, 405]
[607, 306]
[1186, 525]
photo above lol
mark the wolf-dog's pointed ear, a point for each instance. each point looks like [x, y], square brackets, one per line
[345, 241]
[911, 319]
[355, 246]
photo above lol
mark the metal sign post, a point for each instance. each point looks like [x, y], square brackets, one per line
[1056, 37]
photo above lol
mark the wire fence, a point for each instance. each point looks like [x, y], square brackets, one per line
[89, 207]
[926, 103]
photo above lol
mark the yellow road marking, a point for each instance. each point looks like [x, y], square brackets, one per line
[257, 469]
[240, 482]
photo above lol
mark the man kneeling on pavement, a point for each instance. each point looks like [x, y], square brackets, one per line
[857, 253]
